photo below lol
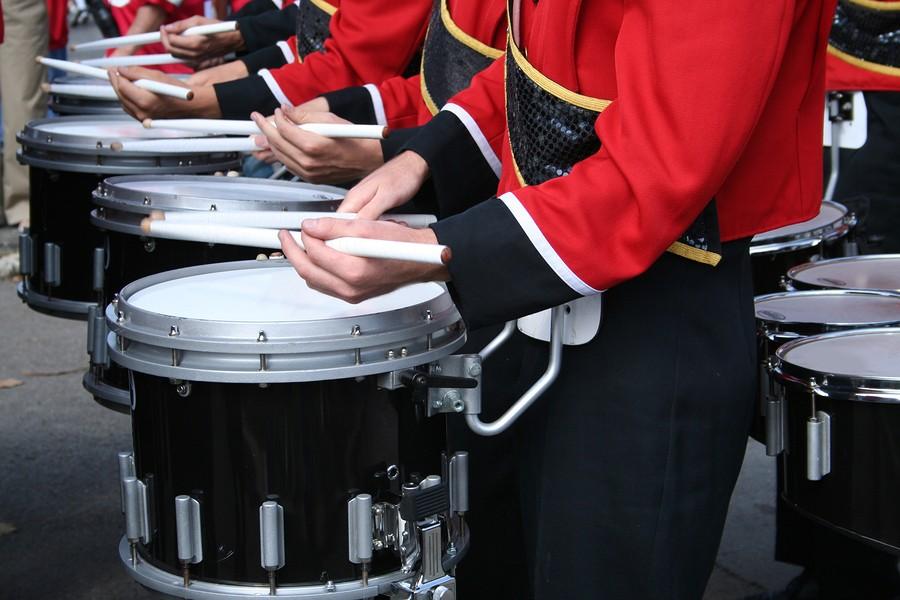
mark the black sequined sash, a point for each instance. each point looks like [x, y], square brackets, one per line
[867, 35]
[450, 58]
[551, 128]
[313, 17]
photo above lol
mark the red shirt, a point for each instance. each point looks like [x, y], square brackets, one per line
[370, 41]
[710, 100]
[124, 12]
[57, 15]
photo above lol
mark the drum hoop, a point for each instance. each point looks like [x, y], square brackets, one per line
[231, 351]
[775, 326]
[793, 272]
[32, 135]
[113, 194]
[841, 386]
[805, 239]
[56, 307]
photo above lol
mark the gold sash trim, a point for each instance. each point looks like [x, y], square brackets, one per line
[864, 64]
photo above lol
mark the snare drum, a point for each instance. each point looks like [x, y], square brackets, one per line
[774, 252]
[68, 157]
[870, 272]
[256, 397]
[787, 316]
[74, 103]
[841, 395]
[127, 254]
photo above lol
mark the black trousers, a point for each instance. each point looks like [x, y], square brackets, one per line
[626, 466]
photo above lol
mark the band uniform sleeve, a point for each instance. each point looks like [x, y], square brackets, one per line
[268, 28]
[401, 99]
[685, 109]
[238, 98]
[255, 7]
[369, 41]
[271, 57]
[353, 104]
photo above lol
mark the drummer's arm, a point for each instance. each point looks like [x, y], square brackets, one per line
[148, 18]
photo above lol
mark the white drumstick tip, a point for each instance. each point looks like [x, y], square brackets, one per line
[157, 215]
[147, 123]
[116, 146]
[145, 225]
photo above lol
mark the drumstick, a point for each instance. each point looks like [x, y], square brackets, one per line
[141, 39]
[273, 219]
[102, 92]
[157, 87]
[235, 127]
[433, 254]
[187, 145]
[133, 61]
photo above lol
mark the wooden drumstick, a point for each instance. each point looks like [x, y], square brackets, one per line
[157, 87]
[237, 127]
[141, 39]
[275, 219]
[433, 254]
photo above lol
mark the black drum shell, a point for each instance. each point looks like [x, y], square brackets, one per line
[309, 446]
[859, 496]
[769, 269]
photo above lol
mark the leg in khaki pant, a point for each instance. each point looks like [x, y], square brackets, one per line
[25, 38]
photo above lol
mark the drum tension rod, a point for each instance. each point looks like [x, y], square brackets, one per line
[419, 380]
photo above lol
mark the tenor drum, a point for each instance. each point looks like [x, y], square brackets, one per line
[127, 254]
[248, 388]
[74, 102]
[787, 316]
[841, 395]
[67, 158]
[870, 272]
[774, 252]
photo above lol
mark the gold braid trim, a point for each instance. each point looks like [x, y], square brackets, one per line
[426, 97]
[324, 6]
[864, 64]
[885, 6]
[464, 38]
[696, 254]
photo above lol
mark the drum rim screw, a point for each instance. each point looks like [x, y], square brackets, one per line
[146, 200]
[173, 331]
[403, 352]
[355, 331]
[262, 337]
[330, 587]
[392, 472]
[427, 315]
[212, 208]
[183, 389]
[390, 355]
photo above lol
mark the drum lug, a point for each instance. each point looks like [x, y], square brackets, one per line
[774, 427]
[52, 274]
[818, 446]
[360, 528]
[126, 470]
[99, 268]
[26, 254]
[271, 540]
[188, 533]
[97, 331]
[458, 473]
[137, 516]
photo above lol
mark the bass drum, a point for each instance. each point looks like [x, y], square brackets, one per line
[67, 158]
[128, 254]
[774, 252]
[841, 395]
[256, 397]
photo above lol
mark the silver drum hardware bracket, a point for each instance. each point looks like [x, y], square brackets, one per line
[818, 446]
[271, 540]
[52, 272]
[188, 534]
[360, 528]
[26, 254]
[137, 516]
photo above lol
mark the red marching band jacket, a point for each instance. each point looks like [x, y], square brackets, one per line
[370, 40]
[124, 13]
[849, 69]
[709, 100]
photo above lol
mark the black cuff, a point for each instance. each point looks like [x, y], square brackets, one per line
[459, 172]
[497, 274]
[396, 141]
[238, 98]
[353, 104]
[267, 58]
[255, 7]
[268, 28]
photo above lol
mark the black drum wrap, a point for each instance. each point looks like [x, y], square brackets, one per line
[308, 446]
[867, 33]
[548, 134]
[448, 62]
[312, 28]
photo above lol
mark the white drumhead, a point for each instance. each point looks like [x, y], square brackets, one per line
[861, 273]
[108, 129]
[830, 308]
[265, 296]
[829, 214]
[874, 354]
[227, 188]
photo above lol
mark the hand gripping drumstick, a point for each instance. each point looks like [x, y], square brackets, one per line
[82, 90]
[141, 39]
[137, 60]
[237, 127]
[157, 87]
[272, 218]
[432, 254]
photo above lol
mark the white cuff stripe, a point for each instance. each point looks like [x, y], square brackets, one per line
[477, 136]
[286, 51]
[277, 3]
[274, 87]
[540, 243]
[377, 104]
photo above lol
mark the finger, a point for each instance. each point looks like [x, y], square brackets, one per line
[359, 195]
[315, 276]
[380, 204]
[301, 116]
[305, 141]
